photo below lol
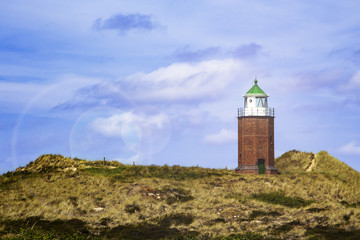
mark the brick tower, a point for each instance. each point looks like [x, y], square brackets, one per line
[256, 134]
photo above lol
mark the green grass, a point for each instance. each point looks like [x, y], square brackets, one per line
[280, 199]
[160, 230]
[332, 232]
[37, 228]
[25, 234]
[127, 172]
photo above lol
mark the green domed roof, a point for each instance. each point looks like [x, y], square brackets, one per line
[256, 90]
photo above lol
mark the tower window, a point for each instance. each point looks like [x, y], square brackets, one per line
[260, 102]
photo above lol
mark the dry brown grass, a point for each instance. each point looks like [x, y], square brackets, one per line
[294, 161]
[204, 201]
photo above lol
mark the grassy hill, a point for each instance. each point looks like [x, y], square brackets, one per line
[315, 197]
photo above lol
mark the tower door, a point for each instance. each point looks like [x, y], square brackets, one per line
[261, 166]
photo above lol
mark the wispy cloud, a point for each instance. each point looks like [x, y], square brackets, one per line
[105, 93]
[351, 54]
[243, 51]
[126, 22]
[224, 136]
[351, 148]
[187, 55]
[352, 84]
[247, 50]
[319, 79]
[44, 95]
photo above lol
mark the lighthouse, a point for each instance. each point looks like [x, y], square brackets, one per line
[256, 134]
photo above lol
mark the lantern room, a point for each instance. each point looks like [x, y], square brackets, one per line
[256, 103]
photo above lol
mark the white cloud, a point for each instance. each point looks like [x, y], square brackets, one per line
[351, 148]
[185, 81]
[117, 124]
[142, 132]
[223, 136]
[110, 127]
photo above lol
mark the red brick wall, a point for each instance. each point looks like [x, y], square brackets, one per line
[255, 141]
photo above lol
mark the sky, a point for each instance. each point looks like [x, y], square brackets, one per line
[160, 82]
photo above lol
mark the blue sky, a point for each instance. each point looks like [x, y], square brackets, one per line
[159, 82]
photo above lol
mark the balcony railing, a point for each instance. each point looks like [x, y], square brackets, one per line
[260, 111]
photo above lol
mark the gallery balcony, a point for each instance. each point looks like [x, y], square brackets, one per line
[258, 112]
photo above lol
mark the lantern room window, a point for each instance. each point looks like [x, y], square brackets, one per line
[261, 102]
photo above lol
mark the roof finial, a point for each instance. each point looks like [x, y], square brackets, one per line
[255, 81]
